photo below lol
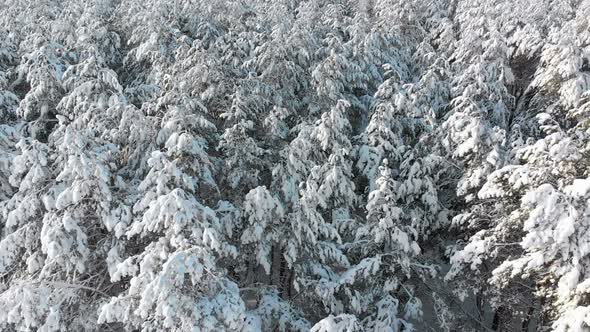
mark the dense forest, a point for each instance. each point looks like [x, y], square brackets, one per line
[295, 165]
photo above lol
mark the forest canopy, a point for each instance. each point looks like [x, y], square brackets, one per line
[295, 165]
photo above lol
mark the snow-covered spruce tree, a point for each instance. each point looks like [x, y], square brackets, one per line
[533, 226]
[319, 198]
[390, 130]
[475, 133]
[8, 99]
[20, 250]
[552, 209]
[42, 72]
[386, 246]
[287, 50]
[265, 225]
[402, 209]
[243, 156]
[66, 184]
[326, 205]
[8, 105]
[337, 75]
[176, 280]
[544, 170]
[475, 126]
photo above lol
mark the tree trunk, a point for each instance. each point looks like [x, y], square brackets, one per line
[275, 274]
[527, 319]
[284, 285]
[479, 305]
[501, 319]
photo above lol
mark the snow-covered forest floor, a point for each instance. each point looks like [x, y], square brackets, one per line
[295, 165]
